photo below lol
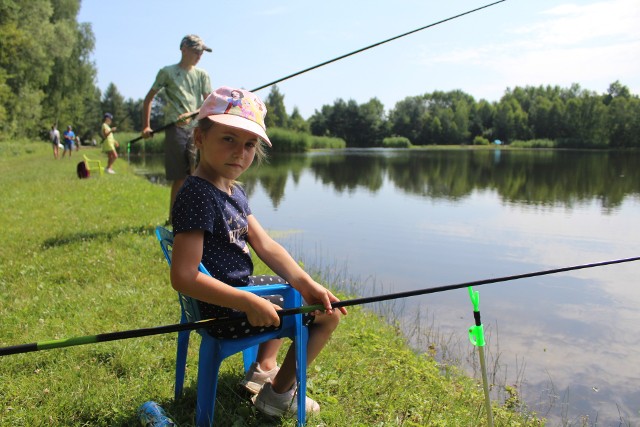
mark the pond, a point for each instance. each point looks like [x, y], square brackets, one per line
[398, 220]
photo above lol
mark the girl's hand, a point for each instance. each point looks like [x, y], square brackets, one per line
[263, 313]
[315, 293]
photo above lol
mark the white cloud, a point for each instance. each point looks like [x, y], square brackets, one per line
[593, 45]
[571, 24]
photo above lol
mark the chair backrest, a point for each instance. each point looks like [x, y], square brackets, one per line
[189, 305]
[89, 162]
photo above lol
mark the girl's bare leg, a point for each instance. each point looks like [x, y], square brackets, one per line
[267, 353]
[319, 333]
[112, 158]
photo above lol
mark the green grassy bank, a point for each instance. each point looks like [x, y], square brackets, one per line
[78, 257]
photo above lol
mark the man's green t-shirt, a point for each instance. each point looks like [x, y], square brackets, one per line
[182, 89]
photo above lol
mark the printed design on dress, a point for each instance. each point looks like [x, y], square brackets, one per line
[238, 228]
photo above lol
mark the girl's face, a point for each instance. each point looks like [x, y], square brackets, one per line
[225, 153]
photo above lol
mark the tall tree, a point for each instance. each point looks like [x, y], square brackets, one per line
[616, 89]
[481, 119]
[276, 112]
[113, 102]
[133, 119]
[371, 127]
[71, 95]
[297, 122]
[28, 48]
[585, 118]
[408, 118]
[623, 122]
[46, 76]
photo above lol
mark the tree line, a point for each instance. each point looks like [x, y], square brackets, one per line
[569, 117]
[47, 77]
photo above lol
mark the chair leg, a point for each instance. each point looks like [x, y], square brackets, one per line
[208, 369]
[181, 362]
[249, 355]
[302, 337]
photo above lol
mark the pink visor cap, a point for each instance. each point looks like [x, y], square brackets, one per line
[237, 108]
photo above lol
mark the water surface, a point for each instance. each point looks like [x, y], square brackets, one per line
[403, 220]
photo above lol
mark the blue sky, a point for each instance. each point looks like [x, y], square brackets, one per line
[514, 43]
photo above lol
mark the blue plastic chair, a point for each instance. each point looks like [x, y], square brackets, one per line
[213, 350]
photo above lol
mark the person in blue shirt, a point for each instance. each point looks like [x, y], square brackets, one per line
[68, 138]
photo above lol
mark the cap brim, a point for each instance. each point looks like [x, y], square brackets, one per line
[241, 123]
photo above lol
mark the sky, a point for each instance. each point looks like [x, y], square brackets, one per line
[513, 43]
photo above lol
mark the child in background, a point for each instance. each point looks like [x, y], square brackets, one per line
[213, 224]
[109, 144]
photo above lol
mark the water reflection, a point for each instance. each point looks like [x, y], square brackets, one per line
[539, 178]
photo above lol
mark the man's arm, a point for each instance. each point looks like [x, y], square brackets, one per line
[146, 113]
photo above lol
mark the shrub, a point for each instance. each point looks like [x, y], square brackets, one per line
[149, 146]
[285, 140]
[327, 142]
[481, 140]
[396, 142]
[534, 143]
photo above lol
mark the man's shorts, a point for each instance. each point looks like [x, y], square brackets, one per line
[179, 153]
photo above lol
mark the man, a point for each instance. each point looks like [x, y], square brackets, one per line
[185, 88]
[69, 137]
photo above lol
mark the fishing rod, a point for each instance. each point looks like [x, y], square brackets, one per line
[136, 333]
[161, 128]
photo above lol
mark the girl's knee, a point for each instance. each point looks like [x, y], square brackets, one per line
[329, 321]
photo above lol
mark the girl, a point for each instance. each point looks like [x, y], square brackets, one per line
[109, 144]
[213, 224]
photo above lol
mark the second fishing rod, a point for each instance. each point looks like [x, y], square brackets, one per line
[338, 58]
[137, 333]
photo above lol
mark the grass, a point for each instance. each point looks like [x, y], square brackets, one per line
[534, 143]
[79, 258]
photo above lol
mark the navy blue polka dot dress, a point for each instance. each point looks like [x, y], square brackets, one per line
[200, 205]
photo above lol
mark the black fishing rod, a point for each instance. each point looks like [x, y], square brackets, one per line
[161, 128]
[136, 333]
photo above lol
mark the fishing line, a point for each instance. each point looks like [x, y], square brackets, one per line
[136, 333]
[161, 128]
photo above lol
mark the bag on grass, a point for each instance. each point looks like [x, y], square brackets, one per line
[82, 170]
